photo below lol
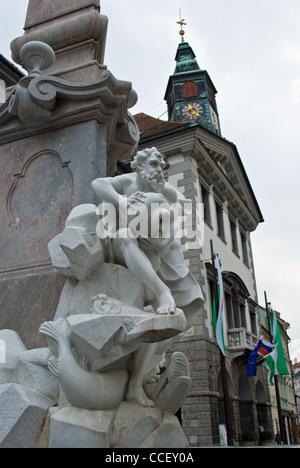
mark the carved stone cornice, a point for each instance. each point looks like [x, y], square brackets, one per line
[34, 95]
[48, 101]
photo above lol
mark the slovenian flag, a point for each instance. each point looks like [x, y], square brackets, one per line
[218, 317]
[264, 348]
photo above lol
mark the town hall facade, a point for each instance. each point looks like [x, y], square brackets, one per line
[207, 169]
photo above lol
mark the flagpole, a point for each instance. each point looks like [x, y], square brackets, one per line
[272, 339]
[228, 420]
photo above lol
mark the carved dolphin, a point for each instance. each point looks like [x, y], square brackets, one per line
[83, 389]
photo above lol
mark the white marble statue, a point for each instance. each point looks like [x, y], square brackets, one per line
[127, 294]
[157, 262]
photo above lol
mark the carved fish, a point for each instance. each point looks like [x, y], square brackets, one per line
[83, 389]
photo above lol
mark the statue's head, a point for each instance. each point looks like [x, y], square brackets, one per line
[149, 163]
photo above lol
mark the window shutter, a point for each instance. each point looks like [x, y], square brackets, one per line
[190, 90]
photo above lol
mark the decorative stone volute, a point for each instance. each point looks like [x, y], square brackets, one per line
[62, 50]
[35, 100]
[38, 56]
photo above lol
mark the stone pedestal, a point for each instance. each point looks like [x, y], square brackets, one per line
[62, 126]
[42, 178]
[79, 428]
[131, 426]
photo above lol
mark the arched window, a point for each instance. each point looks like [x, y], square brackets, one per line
[237, 306]
[190, 90]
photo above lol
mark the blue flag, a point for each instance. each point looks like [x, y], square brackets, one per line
[251, 363]
[264, 348]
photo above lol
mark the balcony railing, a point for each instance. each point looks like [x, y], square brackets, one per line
[240, 338]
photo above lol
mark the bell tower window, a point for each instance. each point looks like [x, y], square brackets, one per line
[190, 90]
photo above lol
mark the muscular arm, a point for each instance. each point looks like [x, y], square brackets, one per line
[110, 189]
[170, 193]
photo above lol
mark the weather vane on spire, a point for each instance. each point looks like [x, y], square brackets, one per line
[182, 23]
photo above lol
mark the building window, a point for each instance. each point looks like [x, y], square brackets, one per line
[190, 90]
[229, 314]
[245, 248]
[220, 221]
[253, 322]
[235, 310]
[243, 314]
[263, 318]
[234, 240]
[205, 201]
[213, 98]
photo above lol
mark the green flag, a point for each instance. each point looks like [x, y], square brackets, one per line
[276, 359]
[218, 315]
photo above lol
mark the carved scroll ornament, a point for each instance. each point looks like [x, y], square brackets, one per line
[35, 99]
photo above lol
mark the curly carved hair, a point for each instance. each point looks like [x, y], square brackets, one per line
[141, 156]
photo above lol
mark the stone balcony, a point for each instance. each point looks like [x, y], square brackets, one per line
[241, 339]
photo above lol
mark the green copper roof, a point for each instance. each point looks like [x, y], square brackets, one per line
[186, 59]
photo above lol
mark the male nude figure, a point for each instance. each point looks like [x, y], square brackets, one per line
[141, 255]
[126, 190]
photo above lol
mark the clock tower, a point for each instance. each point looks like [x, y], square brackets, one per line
[190, 93]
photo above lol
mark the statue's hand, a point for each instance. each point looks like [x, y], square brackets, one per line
[137, 197]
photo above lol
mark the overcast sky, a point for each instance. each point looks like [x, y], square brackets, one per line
[252, 52]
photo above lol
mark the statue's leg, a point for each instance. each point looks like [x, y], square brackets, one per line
[127, 248]
[141, 360]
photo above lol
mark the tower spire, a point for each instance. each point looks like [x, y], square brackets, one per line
[190, 92]
[182, 23]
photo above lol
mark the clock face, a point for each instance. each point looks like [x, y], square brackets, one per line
[192, 111]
